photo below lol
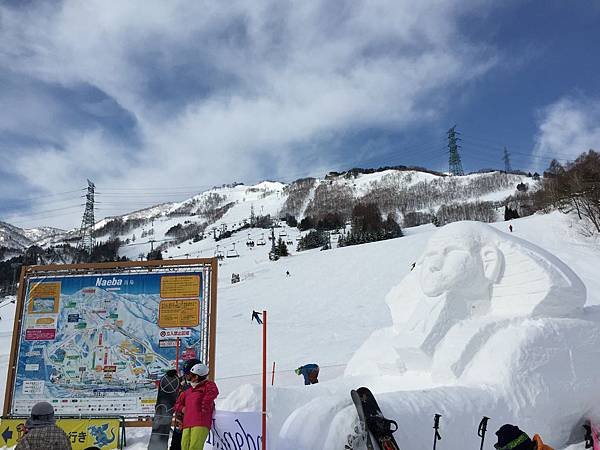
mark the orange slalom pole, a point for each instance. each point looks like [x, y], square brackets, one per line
[264, 383]
[273, 374]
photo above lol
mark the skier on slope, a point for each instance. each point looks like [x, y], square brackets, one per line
[256, 315]
[177, 431]
[510, 437]
[197, 406]
[310, 372]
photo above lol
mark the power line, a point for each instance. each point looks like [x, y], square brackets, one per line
[47, 211]
[153, 192]
[496, 146]
[51, 195]
[51, 216]
[149, 188]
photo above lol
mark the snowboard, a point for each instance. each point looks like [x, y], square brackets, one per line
[376, 428]
[168, 390]
[360, 440]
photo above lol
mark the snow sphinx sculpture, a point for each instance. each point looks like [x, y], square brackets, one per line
[470, 282]
[485, 324]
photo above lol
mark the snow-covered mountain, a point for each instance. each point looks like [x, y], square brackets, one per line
[13, 237]
[413, 196]
[227, 208]
[37, 235]
[19, 239]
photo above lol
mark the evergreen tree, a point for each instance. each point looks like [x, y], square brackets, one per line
[281, 248]
[314, 239]
[306, 224]
[367, 226]
[106, 251]
[291, 221]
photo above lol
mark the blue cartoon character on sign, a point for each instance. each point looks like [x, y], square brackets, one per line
[100, 435]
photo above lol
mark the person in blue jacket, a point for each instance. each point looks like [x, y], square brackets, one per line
[310, 372]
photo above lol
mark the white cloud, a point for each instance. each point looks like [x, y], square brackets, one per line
[278, 77]
[567, 128]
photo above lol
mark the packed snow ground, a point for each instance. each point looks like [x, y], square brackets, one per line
[324, 312]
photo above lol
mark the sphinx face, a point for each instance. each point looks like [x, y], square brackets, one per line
[454, 267]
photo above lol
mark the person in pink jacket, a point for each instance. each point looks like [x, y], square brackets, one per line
[196, 405]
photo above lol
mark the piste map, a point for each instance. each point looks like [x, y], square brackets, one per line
[97, 344]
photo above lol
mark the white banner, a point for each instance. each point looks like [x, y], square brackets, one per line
[235, 431]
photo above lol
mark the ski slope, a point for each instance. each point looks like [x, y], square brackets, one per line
[326, 311]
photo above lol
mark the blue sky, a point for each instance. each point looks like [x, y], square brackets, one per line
[155, 101]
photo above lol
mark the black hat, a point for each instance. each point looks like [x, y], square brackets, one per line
[510, 437]
[189, 364]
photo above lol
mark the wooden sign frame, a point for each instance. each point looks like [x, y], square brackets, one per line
[111, 267]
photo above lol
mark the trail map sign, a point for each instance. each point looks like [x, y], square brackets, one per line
[95, 340]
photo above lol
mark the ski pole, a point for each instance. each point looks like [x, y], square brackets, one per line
[482, 429]
[436, 427]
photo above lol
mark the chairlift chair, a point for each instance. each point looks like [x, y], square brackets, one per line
[232, 252]
[249, 242]
[261, 241]
[219, 253]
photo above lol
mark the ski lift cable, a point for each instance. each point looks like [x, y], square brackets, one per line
[10, 302]
[211, 249]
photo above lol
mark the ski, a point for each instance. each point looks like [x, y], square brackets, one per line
[361, 440]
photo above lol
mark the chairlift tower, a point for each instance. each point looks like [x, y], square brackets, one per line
[455, 166]
[273, 245]
[86, 232]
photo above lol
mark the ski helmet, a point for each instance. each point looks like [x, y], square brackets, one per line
[187, 367]
[200, 369]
